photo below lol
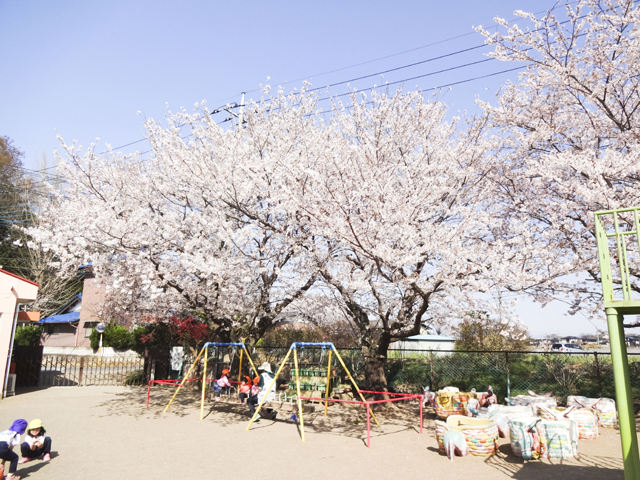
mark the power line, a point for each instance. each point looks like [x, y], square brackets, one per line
[405, 51]
[31, 171]
[410, 65]
[450, 54]
[458, 52]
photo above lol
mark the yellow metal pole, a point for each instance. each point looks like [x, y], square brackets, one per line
[195, 362]
[326, 390]
[255, 414]
[239, 369]
[204, 381]
[295, 362]
[251, 362]
[354, 383]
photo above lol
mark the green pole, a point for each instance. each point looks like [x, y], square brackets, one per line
[624, 399]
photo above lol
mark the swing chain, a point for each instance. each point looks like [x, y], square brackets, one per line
[233, 354]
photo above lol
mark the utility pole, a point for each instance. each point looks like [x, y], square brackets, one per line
[241, 112]
[227, 108]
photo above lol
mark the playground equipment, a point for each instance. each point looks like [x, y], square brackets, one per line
[620, 225]
[480, 434]
[451, 403]
[205, 350]
[332, 349]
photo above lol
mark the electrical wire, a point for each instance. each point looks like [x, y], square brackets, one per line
[495, 25]
[439, 57]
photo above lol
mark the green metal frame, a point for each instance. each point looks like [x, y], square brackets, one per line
[615, 310]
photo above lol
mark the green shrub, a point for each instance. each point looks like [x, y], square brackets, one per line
[27, 336]
[135, 378]
[114, 336]
[157, 335]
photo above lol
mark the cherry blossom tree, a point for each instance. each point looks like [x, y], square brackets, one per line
[567, 135]
[387, 204]
[162, 233]
[403, 218]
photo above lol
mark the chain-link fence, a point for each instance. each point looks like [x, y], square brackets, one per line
[509, 373]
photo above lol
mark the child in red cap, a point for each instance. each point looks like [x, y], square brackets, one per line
[222, 382]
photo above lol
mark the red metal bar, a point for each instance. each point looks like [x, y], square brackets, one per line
[404, 396]
[388, 393]
[175, 383]
[359, 402]
[393, 399]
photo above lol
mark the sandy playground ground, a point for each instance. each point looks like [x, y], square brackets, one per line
[106, 432]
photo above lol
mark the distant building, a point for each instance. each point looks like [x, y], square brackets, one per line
[424, 342]
[68, 331]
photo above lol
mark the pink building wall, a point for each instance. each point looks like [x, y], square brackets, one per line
[13, 290]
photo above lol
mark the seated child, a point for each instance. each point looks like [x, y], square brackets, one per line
[252, 401]
[9, 439]
[266, 392]
[473, 405]
[255, 388]
[245, 389]
[222, 382]
[35, 443]
[490, 399]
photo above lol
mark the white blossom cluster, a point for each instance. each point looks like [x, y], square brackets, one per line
[388, 205]
[397, 214]
[567, 136]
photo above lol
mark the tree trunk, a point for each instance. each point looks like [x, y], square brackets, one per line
[374, 374]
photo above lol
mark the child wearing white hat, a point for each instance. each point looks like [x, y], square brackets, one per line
[266, 379]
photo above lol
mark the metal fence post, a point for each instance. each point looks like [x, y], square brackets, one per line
[81, 371]
[433, 387]
[506, 356]
[595, 356]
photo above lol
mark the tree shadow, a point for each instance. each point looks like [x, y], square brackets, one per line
[346, 420]
[132, 403]
[578, 468]
[350, 420]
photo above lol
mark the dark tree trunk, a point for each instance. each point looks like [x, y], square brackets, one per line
[375, 363]
[374, 374]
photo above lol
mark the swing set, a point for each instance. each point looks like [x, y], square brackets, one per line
[205, 350]
[368, 403]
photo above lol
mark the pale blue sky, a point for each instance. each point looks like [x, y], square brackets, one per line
[83, 69]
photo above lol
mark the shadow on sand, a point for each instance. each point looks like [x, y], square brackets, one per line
[342, 419]
[580, 468]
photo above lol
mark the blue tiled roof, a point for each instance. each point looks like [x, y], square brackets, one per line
[64, 318]
[69, 303]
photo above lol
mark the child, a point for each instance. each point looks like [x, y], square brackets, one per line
[222, 382]
[9, 439]
[252, 401]
[255, 388]
[265, 380]
[473, 405]
[35, 443]
[245, 389]
[490, 399]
